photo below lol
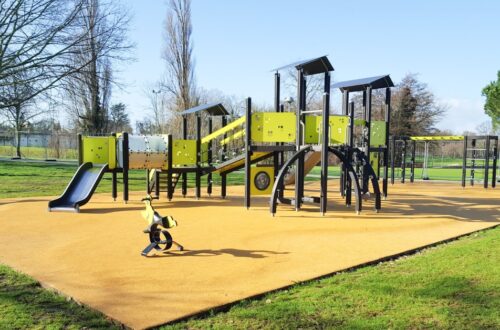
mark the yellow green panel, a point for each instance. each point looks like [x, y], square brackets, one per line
[339, 126]
[338, 129]
[100, 150]
[184, 153]
[273, 127]
[377, 132]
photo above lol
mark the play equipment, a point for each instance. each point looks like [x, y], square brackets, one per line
[273, 148]
[478, 153]
[159, 238]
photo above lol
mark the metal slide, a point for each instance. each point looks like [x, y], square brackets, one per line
[80, 188]
[312, 159]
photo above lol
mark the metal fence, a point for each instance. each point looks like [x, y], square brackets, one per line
[46, 146]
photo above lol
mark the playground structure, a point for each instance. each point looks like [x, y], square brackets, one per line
[479, 153]
[307, 135]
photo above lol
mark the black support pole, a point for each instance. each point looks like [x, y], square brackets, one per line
[412, 160]
[393, 158]
[494, 164]
[277, 108]
[113, 176]
[198, 157]
[387, 134]
[248, 151]
[223, 181]
[486, 162]
[324, 145]
[403, 161]
[184, 136]
[125, 166]
[464, 162]
[80, 149]
[209, 156]
[170, 187]
[473, 162]
[299, 164]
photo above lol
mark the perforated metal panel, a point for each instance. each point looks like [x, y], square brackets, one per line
[338, 129]
[184, 152]
[273, 127]
[99, 150]
[377, 132]
[147, 151]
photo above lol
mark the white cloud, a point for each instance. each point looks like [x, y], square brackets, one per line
[462, 115]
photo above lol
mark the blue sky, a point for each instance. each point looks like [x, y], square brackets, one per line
[452, 45]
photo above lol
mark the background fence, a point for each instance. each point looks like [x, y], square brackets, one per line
[46, 146]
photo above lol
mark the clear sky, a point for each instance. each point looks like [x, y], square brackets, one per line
[453, 46]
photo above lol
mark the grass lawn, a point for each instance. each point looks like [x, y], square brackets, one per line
[452, 286]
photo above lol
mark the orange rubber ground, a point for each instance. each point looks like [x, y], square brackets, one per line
[231, 253]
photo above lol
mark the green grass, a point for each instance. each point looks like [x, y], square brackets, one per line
[453, 286]
[25, 179]
[24, 304]
[39, 153]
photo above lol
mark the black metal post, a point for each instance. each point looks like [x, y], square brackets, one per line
[299, 164]
[387, 143]
[464, 161]
[393, 156]
[125, 166]
[412, 160]
[113, 176]
[170, 186]
[184, 175]
[277, 108]
[495, 159]
[198, 157]
[223, 181]
[157, 182]
[486, 162]
[324, 145]
[209, 157]
[473, 162]
[80, 149]
[403, 161]
[248, 151]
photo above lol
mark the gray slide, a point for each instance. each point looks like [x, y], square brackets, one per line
[80, 188]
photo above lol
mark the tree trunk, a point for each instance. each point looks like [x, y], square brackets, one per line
[18, 143]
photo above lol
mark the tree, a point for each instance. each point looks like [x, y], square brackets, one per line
[118, 118]
[37, 37]
[415, 110]
[89, 89]
[179, 81]
[492, 105]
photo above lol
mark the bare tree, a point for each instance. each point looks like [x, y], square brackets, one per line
[89, 90]
[37, 37]
[179, 80]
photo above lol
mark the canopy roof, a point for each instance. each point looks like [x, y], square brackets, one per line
[213, 109]
[361, 84]
[311, 66]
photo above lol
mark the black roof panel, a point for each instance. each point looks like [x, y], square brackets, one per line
[361, 84]
[311, 66]
[213, 109]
